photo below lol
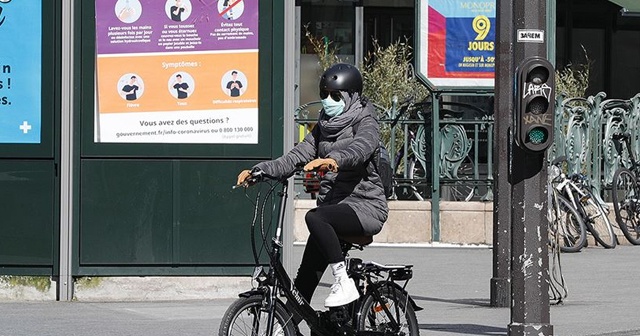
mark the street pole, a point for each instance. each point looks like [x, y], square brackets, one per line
[65, 283]
[503, 107]
[531, 135]
[529, 253]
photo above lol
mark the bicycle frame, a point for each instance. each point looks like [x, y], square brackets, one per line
[569, 189]
[635, 167]
[277, 277]
[630, 204]
[626, 138]
[582, 198]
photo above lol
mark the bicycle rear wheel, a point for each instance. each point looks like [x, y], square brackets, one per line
[569, 224]
[597, 221]
[625, 204]
[373, 317]
[245, 317]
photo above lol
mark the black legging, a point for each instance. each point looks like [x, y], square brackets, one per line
[325, 224]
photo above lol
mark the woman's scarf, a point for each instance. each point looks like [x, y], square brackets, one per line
[334, 127]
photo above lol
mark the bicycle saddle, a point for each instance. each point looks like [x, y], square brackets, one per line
[357, 240]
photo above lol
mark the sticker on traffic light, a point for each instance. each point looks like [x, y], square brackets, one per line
[534, 112]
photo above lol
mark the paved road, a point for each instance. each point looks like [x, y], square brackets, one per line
[452, 284]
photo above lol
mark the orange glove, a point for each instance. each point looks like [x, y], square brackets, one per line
[243, 176]
[322, 164]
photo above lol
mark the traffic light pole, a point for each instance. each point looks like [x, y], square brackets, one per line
[531, 132]
[529, 252]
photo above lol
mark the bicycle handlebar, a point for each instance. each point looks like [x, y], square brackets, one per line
[577, 177]
[258, 175]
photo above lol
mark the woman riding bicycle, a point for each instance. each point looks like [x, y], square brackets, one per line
[351, 200]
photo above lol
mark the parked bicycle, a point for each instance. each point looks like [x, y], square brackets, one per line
[625, 191]
[566, 227]
[576, 190]
[275, 307]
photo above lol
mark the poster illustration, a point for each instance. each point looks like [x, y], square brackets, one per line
[20, 71]
[177, 71]
[457, 42]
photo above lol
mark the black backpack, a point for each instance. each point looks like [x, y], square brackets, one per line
[382, 164]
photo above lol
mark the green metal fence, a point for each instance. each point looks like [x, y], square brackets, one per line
[584, 134]
[464, 138]
[450, 158]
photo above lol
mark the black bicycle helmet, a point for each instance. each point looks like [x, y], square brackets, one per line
[341, 77]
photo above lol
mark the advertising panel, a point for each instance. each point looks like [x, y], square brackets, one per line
[177, 71]
[457, 42]
[21, 71]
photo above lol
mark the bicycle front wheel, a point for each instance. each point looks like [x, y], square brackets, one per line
[245, 317]
[597, 221]
[568, 222]
[374, 317]
[625, 204]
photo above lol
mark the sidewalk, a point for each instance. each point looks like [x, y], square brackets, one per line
[451, 284]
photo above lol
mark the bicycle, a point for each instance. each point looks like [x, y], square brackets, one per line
[575, 189]
[275, 307]
[625, 193]
[567, 229]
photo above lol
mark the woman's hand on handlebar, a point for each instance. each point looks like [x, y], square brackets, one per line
[243, 177]
[247, 178]
[322, 165]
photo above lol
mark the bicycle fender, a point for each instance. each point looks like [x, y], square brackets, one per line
[413, 303]
[258, 292]
[250, 293]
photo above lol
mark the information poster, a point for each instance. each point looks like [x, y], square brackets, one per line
[457, 42]
[177, 71]
[20, 71]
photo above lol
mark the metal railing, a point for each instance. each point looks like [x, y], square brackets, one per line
[449, 158]
[464, 136]
[584, 130]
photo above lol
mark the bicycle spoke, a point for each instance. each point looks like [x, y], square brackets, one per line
[633, 220]
[252, 315]
[625, 204]
[246, 318]
[599, 224]
[567, 224]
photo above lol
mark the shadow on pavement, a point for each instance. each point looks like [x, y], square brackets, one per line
[465, 329]
[467, 302]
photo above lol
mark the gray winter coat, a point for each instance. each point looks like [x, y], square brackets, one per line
[349, 138]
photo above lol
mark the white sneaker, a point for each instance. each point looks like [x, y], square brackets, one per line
[342, 292]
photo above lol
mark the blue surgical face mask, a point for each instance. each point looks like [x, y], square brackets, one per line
[331, 107]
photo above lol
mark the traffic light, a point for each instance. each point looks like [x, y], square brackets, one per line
[534, 104]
